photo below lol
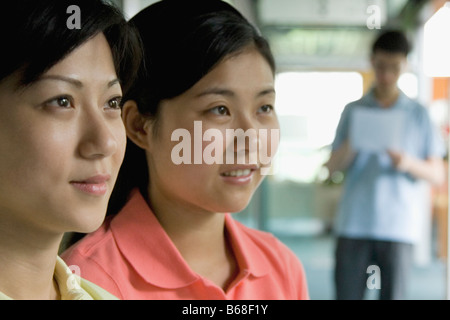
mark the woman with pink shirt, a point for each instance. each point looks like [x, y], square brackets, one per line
[207, 73]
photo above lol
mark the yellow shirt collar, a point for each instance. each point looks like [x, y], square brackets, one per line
[72, 287]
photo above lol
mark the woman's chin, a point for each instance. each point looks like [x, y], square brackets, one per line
[89, 223]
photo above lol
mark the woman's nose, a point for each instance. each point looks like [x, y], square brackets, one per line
[242, 140]
[97, 139]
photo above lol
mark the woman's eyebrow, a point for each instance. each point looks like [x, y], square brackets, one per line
[74, 82]
[230, 93]
[216, 91]
[266, 92]
[113, 82]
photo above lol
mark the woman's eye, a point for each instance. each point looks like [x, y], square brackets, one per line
[220, 110]
[266, 108]
[62, 102]
[114, 103]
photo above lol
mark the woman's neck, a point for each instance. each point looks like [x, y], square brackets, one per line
[27, 260]
[201, 239]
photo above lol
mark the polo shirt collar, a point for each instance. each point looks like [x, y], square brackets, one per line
[245, 248]
[399, 103]
[68, 283]
[150, 251]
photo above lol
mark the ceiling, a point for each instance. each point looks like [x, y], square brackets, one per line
[319, 34]
[329, 34]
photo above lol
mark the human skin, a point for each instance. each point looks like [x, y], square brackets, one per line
[189, 199]
[62, 142]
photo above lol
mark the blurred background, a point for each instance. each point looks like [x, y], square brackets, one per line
[322, 52]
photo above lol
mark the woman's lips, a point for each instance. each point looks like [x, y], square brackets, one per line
[238, 176]
[95, 185]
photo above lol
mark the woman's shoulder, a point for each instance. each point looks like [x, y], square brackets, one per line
[268, 244]
[90, 242]
[73, 286]
[96, 292]
[269, 255]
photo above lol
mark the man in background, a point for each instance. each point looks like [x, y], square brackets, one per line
[376, 222]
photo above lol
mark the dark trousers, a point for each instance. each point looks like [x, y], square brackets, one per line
[392, 260]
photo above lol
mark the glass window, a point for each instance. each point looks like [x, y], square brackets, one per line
[309, 106]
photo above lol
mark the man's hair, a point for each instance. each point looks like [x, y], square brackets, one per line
[392, 41]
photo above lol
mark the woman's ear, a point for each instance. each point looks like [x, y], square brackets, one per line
[136, 125]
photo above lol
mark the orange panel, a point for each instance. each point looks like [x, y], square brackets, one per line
[440, 88]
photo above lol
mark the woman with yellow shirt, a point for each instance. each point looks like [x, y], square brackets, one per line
[64, 68]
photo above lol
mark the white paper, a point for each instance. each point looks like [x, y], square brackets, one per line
[376, 130]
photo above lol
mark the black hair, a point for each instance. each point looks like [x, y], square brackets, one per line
[183, 41]
[36, 35]
[392, 41]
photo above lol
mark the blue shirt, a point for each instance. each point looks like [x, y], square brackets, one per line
[378, 201]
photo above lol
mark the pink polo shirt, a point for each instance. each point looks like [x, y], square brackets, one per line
[132, 257]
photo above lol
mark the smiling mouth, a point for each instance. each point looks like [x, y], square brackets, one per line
[237, 173]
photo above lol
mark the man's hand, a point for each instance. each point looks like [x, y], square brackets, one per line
[401, 161]
[431, 169]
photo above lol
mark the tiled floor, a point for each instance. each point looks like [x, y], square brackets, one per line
[428, 282]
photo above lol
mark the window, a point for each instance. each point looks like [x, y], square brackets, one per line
[309, 106]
